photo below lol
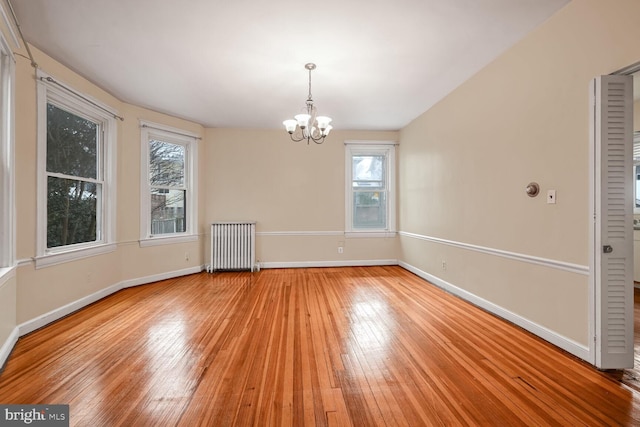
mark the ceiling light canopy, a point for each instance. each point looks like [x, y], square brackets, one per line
[309, 125]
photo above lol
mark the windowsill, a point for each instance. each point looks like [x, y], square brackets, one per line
[370, 234]
[73, 255]
[167, 240]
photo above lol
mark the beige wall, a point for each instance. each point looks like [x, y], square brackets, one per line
[294, 189]
[43, 290]
[8, 321]
[465, 163]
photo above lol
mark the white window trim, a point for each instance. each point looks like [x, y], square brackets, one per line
[367, 147]
[190, 141]
[636, 162]
[66, 98]
[7, 162]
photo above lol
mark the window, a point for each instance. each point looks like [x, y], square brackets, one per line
[76, 208]
[7, 163]
[370, 193]
[168, 207]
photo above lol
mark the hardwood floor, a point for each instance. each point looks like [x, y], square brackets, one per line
[631, 377]
[333, 346]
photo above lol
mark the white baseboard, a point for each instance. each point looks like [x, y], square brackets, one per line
[312, 264]
[58, 313]
[554, 338]
[158, 277]
[7, 347]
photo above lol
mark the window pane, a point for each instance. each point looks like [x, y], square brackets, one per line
[369, 209]
[71, 211]
[368, 171]
[166, 164]
[168, 211]
[72, 144]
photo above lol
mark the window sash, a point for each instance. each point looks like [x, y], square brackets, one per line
[168, 169]
[77, 219]
[168, 214]
[369, 210]
[375, 161]
[83, 157]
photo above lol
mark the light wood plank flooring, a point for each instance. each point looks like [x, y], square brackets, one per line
[374, 346]
[631, 377]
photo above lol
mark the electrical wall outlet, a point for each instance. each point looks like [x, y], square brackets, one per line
[340, 249]
[444, 265]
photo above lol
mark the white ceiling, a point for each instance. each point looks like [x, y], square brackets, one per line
[240, 63]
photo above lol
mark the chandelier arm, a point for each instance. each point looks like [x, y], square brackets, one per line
[319, 140]
[296, 140]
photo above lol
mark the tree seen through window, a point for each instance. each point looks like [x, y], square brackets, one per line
[168, 189]
[73, 181]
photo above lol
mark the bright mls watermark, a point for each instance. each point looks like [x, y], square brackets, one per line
[34, 415]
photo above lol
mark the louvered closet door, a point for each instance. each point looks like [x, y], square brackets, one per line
[613, 212]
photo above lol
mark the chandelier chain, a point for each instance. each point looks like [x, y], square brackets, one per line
[310, 98]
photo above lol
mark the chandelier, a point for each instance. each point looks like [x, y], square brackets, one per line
[307, 125]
